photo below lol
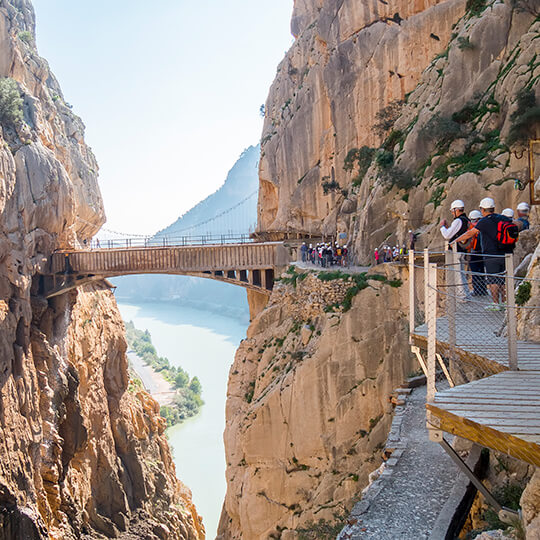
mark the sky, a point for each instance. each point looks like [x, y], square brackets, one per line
[169, 91]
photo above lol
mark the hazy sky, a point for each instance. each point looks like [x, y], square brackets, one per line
[169, 91]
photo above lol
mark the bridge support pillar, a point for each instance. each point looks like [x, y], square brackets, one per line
[257, 302]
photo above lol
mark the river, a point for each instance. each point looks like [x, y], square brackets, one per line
[203, 343]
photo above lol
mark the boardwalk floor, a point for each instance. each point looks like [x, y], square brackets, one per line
[501, 412]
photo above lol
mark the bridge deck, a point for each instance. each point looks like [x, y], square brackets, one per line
[251, 265]
[502, 411]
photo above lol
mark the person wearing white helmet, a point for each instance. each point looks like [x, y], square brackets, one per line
[508, 212]
[476, 260]
[522, 220]
[494, 262]
[459, 226]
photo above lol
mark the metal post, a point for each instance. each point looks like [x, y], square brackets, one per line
[431, 315]
[451, 281]
[511, 313]
[411, 296]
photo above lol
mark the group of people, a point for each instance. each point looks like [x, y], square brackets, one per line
[482, 239]
[325, 254]
[389, 254]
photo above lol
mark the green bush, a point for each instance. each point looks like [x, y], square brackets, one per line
[400, 178]
[464, 43]
[329, 186]
[387, 117]
[442, 130]
[362, 158]
[384, 159]
[11, 103]
[526, 115]
[523, 294]
[26, 37]
[475, 7]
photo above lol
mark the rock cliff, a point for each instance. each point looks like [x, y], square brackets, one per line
[83, 453]
[379, 116]
[308, 407]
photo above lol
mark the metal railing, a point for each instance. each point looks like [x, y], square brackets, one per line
[463, 310]
[168, 241]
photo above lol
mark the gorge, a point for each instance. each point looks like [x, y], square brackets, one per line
[380, 115]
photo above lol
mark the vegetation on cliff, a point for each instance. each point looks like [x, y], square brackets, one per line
[187, 401]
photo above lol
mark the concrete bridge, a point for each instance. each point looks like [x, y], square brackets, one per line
[252, 265]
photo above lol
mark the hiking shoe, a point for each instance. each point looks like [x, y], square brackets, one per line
[492, 307]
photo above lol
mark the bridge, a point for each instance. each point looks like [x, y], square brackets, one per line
[248, 264]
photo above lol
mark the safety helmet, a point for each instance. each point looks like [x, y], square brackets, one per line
[475, 214]
[508, 212]
[458, 203]
[523, 207]
[487, 203]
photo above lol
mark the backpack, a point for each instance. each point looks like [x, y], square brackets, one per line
[507, 234]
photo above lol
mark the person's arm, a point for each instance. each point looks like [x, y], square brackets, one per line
[465, 236]
[448, 232]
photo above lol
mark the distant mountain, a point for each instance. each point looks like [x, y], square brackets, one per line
[232, 209]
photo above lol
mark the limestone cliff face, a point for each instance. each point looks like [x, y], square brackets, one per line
[349, 60]
[458, 74]
[82, 453]
[308, 404]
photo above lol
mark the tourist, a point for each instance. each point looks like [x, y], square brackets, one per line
[345, 261]
[304, 252]
[412, 239]
[476, 259]
[376, 256]
[458, 227]
[494, 262]
[522, 220]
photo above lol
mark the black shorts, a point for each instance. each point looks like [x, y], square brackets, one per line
[495, 265]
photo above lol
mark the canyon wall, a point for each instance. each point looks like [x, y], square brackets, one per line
[379, 116]
[377, 111]
[308, 406]
[84, 453]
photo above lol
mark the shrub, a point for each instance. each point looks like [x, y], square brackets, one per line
[396, 137]
[465, 43]
[329, 186]
[442, 130]
[384, 159]
[394, 176]
[475, 7]
[362, 157]
[523, 294]
[26, 37]
[524, 117]
[386, 117]
[11, 111]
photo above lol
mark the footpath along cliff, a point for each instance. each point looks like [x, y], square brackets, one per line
[83, 454]
[380, 115]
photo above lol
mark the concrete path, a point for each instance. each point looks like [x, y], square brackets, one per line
[412, 490]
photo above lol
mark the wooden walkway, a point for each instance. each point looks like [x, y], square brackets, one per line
[502, 411]
[249, 265]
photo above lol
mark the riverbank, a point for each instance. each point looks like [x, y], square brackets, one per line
[153, 381]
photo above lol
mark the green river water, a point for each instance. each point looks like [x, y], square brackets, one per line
[203, 343]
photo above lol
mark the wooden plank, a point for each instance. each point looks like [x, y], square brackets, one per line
[486, 436]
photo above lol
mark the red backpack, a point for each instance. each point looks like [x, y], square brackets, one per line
[507, 234]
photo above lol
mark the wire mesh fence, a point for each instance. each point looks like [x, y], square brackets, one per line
[469, 311]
